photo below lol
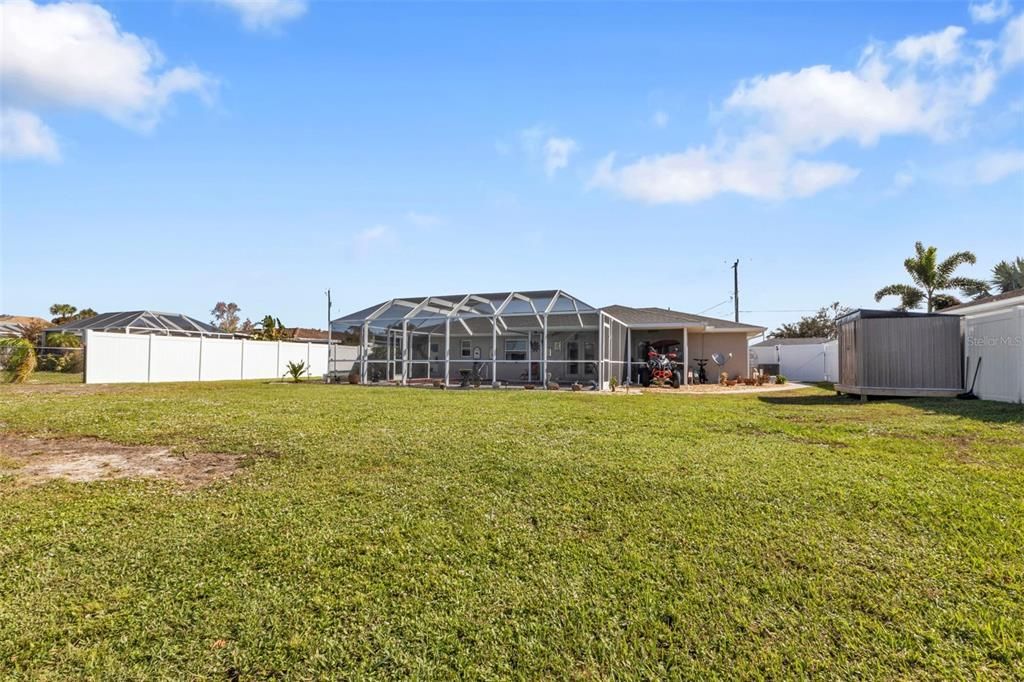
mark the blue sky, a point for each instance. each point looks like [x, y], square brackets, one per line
[173, 154]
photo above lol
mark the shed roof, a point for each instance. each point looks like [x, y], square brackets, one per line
[866, 314]
[142, 320]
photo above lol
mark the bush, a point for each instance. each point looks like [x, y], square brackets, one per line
[62, 361]
[18, 357]
[296, 370]
[780, 379]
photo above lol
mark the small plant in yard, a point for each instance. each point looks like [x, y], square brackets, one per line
[18, 358]
[296, 370]
[613, 383]
[781, 379]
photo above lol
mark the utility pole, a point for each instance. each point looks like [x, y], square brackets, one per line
[329, 363]
[736, 288]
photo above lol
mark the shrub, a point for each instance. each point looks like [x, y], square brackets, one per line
[18, 357]
[780, 379]
[296, 370]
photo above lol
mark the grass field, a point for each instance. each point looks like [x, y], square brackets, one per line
[394, 533]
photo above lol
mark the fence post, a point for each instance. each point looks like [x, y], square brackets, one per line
[278, 372]
[241, 368]
[200, 358]
[309, 358]
[85, 354]
[149, 359]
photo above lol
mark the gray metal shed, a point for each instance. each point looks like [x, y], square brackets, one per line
[894, 353]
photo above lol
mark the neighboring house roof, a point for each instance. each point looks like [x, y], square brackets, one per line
[792, 341]
[1005, 300]
[141, 321]
[22, 319]
[652, 318]
[304, 334]
[13, 325]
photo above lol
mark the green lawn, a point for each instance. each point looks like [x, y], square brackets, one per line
[392, 533]
[47, 378]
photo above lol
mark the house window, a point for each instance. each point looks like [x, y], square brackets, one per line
[515, 349]
[467, 348]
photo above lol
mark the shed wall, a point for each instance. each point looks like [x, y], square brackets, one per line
[902, 353]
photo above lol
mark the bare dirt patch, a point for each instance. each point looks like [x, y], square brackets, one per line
[36, 460]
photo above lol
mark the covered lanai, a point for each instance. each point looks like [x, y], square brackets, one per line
[523, 337]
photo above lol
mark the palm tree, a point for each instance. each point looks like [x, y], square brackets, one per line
[1008, 276]
[932, 278]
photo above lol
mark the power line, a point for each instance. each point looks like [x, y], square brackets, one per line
[792, 310]
[717, 305]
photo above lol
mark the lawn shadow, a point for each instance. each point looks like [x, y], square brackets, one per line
[981, 410]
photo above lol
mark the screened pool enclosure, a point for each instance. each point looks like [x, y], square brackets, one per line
[512, 337]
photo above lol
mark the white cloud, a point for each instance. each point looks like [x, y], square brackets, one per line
[923, 85]
[24, 136]
[366, 241]
[994, 166]
[755, 168]
[941, 47]
[988, 12]
[539, 143]
[75, 55]
[659, 119]
[1011, 42]
[557, 151]
[263, 15]
[424, 220]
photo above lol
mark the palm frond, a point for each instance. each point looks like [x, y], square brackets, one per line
[947, 267]
[968, 286]
[1008, 275]
[910, 297]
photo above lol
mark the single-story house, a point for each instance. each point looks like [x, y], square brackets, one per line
[798, 359]
[529, 337]
[140, 322]
[993, 329]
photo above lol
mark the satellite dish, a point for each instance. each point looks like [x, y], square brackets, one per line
[718, 358]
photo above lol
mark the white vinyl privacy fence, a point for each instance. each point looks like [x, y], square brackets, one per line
[994, 354]
[802, 362]
[139, 358]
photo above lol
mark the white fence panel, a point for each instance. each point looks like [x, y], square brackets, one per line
[173, 358]
[292, 352]
[138, 358]
[116, 358]
[222, 360]
[259, 360]
[997, 341]
[802, 362]
[344, 358]
[832, 361]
